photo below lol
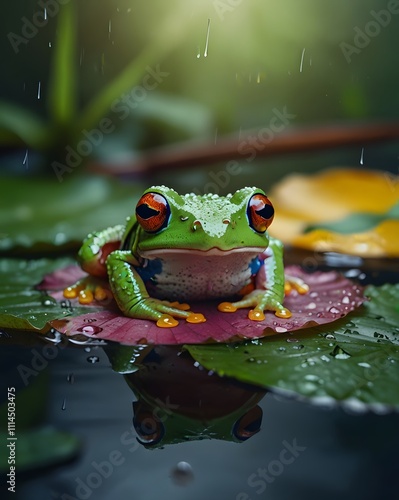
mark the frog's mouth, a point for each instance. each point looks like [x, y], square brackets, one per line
[214, 251]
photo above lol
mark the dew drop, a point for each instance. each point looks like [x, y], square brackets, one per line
[93, 359]
[182, 474]
[339, 353]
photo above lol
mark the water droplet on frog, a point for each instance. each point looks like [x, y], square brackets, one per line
[282, 349]
[334, 310]
[330, 336]
[48, 302]
[251, 360]
[182, 474]
[291, 339]
[93, 359]
[87, 349]
[313, 294]
[346, 300]
[298, 346]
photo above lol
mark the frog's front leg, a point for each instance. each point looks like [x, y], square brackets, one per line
[269, 291]
[92, 256]
[132, 296]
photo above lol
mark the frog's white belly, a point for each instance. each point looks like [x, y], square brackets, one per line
[199, 275]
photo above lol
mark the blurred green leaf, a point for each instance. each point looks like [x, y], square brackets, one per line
[20, 127]
[43, 215]
[62, 98]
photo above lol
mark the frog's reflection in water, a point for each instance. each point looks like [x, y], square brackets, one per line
[178, 400]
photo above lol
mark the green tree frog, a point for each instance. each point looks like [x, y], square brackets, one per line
[188, 248]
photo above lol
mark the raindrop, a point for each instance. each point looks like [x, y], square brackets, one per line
[87, 349]
[45, 14]
[298, 346]
[182, 474]
[330, 336]
[71, 378]
[207, 38]
[301, 65]
[361, 156]
[93, 359]
[4, 334]
[291, 339]
[311, 305]
[109, 28]
[49, 44]
[82, 55]
[280, 329]
[339, 353]
[334, 310]
[63, 407]
[90, 329]
[39, 88]
[26, 160]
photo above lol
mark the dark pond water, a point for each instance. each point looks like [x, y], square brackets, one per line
[173, 430]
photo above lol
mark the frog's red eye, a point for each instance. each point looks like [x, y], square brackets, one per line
[152, 212]
[260, 212]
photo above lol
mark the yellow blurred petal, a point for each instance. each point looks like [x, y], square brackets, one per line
[382, 241]
[334, 194]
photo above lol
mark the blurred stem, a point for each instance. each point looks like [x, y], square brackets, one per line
[62, 98]
[167, 38]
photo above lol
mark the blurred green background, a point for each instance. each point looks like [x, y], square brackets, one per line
[153, 74]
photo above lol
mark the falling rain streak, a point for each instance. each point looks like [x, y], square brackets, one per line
[301, 65]
[63, 407]
[39, 89]
[207, 38]
[361, 156]
[26, 160]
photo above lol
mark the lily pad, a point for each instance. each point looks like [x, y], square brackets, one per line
[31, 298]
[23, 306]
[331, 297]
[354, 360]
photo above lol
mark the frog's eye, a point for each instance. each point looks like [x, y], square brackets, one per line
[260, 212]
[152, 212]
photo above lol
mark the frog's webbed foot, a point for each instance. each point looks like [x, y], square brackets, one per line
[164, 312]
[87, 290]
[294, 283]
[260, 301]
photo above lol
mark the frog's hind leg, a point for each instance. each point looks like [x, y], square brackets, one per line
[88, 289]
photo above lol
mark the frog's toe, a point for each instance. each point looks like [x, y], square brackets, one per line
[195, 318]
[167, 321]
[297, 284]
[86, 297]
[71, 292]
[283, 313]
